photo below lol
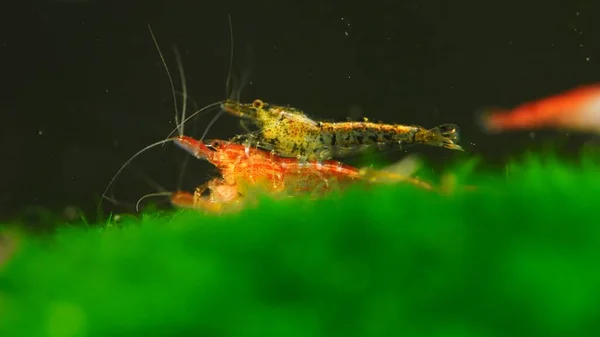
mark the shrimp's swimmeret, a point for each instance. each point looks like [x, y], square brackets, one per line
[291, 133]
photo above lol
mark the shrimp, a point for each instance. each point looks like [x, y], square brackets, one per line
[245, 169]
[291, 133]
[577, 109]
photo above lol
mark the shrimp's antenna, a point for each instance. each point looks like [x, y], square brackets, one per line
[184, 91]
[210, 124]
[210, 106]
[104, 196]
[157, 194]
[228, 83]
[185, 161]
[168, 75]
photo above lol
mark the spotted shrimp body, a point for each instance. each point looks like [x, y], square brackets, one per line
[291, 133]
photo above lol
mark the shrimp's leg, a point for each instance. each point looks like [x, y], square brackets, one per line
[250, 138]
[223, 198]
[245, 126]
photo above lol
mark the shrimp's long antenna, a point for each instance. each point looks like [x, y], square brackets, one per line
[168, 75]
[183, 88]
[157, 194]
[210, 124]
[186, 159]
[153, 184]
[228, 83]
[149, 180]
[128, 162]
[114, 201]
[212, 105]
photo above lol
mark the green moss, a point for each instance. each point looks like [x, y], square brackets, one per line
[517, 258]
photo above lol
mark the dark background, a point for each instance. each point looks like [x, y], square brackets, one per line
[84, 88]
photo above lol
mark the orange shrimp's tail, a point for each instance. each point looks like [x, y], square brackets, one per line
[445, 135]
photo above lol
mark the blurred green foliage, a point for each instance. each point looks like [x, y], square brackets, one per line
[518, 257]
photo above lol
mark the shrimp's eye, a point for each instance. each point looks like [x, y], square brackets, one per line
[258, 104]
[215, 144]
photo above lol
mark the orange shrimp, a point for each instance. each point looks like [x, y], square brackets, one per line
[244, 169]
[577, 110]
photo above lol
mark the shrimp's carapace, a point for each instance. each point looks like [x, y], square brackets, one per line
[576, 109]
[291, 133]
